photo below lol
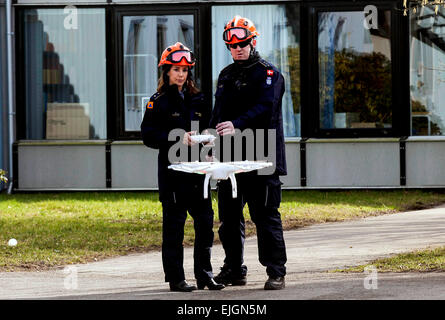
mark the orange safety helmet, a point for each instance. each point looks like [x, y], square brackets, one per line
[178, 55]
[239, 29]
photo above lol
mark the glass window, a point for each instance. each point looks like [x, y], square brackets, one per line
[145, 38]
[278, 43]
[427, 79]
[65, 73]
[354, 70]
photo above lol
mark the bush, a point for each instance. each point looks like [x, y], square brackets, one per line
[3, 177]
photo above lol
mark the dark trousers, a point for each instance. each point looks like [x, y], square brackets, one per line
[174, 216]
[263, 196]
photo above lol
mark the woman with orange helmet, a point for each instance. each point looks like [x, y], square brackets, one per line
[176, 62]
[175, 105]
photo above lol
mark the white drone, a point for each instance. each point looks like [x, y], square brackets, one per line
[219, 170]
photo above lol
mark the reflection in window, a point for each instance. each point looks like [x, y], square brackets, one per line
[354, 71]
[427, 81]
[278, 43]
[65, 67]
[145, 38]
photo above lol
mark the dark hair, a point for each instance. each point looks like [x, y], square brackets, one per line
[164, 80]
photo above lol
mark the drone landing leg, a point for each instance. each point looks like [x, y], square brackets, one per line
[206, 186]
[234, 188]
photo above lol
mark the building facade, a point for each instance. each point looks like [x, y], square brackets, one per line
[3, 101]
[363, 105]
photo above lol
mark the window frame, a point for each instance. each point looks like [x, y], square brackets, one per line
[399, 75]
[309, 104]
[418, 38]
[302, 45]
[20, 81]
[118, 131]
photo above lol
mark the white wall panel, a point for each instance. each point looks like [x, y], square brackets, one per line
[61, 166]
[425, 163]
[292, 179]
[352, 164]
[133, 165]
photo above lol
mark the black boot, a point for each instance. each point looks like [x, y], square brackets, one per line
[182, 286]
[209, 283]
[227, 276]
[274, 283]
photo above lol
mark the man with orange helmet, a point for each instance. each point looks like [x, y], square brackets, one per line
[248, 95]
[176, 103]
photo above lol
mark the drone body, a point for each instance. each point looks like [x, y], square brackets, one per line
[219, 170]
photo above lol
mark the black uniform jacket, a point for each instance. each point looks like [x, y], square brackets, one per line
[249, 94]
[170, 111]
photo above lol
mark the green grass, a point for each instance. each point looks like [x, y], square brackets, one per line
[429, 260]
[301, 208]
[54, 229]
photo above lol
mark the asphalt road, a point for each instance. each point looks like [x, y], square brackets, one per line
[305, 286]
[312, 251]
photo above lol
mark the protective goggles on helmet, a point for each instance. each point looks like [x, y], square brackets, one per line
[239, 33]
[177, 56]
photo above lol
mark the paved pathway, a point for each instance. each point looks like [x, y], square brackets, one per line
[311, 251]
